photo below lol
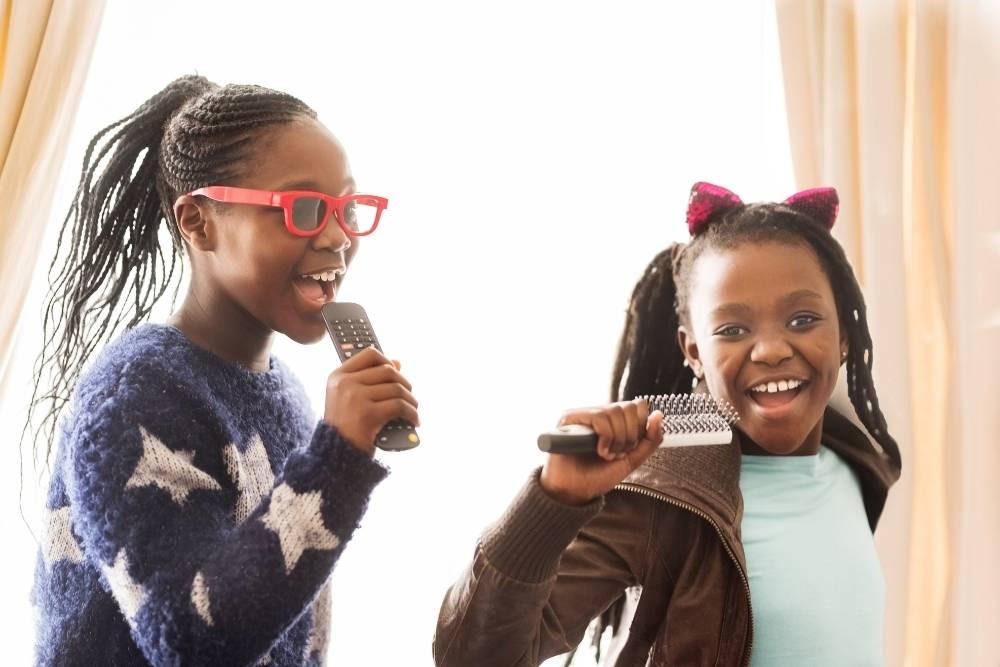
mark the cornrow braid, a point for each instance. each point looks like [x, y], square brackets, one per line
[111, 264]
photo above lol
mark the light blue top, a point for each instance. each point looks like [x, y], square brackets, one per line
[816, 587]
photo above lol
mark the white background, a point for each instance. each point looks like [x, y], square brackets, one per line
[536, 156]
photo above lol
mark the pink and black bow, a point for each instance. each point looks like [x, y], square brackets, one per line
[708, 201]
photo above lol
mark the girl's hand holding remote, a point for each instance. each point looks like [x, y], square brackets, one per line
[628, 434]
[364, 394]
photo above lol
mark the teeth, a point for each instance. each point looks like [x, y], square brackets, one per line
[775, 387]
[328, 276]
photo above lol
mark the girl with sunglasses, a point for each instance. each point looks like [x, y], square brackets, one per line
[760, 309]
[197, 507]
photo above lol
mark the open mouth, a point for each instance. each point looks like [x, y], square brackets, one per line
[777, 393]
[320, 288]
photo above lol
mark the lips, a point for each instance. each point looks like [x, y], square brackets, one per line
[775, 404]
[318, 292]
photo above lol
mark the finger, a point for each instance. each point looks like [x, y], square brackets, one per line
[634, 429]
[642, 413]
[396, 408]
[654, 428]
[616, 415]
[364, 359]
[601, 425]
[389, 390]
[382, 374]
[650, 443]
[399, 366]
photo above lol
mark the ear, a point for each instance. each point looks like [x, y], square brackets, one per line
[195, 223]
[689, 346]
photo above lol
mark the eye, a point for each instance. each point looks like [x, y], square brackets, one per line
[803, 320]
[730, 331]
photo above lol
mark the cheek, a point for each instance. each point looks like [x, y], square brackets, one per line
[722, 363]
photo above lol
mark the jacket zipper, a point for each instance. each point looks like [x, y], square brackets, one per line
[643, 491]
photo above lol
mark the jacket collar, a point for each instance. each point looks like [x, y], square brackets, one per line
[706, 479]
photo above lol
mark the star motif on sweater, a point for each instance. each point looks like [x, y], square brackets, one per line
[174, 472]
[199, 599]
[127, 591]
[319, 636]
[298, 521]
[60, 544]
[250, 470]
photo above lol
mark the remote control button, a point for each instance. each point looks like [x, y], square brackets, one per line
[348, 355]
[347, 346]
[413, 438]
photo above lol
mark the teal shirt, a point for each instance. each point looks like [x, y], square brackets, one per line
[816, 587]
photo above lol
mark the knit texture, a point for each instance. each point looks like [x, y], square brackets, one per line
[195, 513]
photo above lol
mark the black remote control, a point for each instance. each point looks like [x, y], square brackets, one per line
[351, 332]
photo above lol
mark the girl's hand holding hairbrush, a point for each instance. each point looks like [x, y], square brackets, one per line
[627, 435]
[366, 393]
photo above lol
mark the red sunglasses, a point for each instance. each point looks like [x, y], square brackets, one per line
[307, 213]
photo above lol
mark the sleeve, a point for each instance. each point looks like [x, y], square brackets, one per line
[538, 577]
[198, 582]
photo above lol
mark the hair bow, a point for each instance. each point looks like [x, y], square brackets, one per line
[708, 201]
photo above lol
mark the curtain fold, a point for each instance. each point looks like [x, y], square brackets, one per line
[45, 51]
[896, 104]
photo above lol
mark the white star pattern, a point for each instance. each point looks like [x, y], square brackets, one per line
[199, 598]
[251, 472]
[130, 595]
[172, 471]
[321, 623]
[297, 520]
[60, 544]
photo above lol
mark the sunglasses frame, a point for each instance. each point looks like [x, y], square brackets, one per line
[286, 200]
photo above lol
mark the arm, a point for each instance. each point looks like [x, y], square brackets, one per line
[539, 576]
[195, 586]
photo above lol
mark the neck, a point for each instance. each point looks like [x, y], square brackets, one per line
[224, 328]
[809, 447]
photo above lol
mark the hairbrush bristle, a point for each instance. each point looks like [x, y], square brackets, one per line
[693, 419]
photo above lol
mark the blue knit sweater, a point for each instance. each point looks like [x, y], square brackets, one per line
[195, 513]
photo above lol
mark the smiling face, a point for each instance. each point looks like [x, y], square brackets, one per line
[255, 263]
[763, 331]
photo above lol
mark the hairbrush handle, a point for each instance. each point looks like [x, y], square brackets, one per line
[569, 439]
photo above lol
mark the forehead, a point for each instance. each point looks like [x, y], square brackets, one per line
[759, 275]
[304, 153]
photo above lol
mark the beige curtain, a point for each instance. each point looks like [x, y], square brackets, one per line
[897, 104]
[45, 49]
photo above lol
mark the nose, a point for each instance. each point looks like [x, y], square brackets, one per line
[332, 238]
[771, 349]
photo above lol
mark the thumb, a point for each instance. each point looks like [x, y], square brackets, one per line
[654, 427]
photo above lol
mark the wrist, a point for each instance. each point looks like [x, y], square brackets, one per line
[560, 493]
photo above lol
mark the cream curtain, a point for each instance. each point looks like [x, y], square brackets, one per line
[45, 49]
[897, 104]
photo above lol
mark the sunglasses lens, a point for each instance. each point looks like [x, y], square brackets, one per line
[360, 215]
[308, 213]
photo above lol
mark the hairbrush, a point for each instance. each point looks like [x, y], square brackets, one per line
[688, 420]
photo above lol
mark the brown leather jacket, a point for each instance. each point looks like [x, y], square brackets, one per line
[545, 570]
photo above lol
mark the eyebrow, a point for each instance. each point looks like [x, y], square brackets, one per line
[310, 185]
[743, 310]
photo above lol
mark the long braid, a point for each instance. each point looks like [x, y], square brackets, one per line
[649, 358]
[111, 264]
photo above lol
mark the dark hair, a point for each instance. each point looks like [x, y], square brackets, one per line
[111, 264]
[650, 360]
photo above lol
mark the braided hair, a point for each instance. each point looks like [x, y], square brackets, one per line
[112, 263]
[649, 359]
